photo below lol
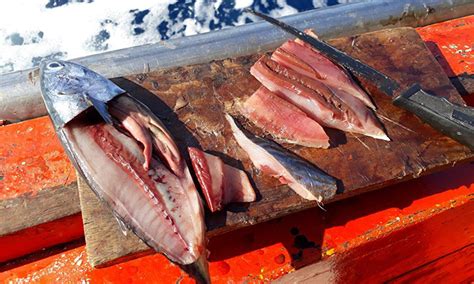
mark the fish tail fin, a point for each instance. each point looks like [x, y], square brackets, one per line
[199, 270]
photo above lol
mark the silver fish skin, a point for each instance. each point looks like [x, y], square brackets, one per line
[68, 89]
[302, 171]
[132, 164]
[304, 178]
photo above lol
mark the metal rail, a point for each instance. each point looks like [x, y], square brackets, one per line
[20, 98]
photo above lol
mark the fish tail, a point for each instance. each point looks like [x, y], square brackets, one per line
[199, 270]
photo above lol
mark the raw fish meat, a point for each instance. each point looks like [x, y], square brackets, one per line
[129, 159]
[221, 184]
[332, 74]
[283, 120]
[338, 109]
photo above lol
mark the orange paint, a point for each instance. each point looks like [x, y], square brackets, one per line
[31, 159]
[452, 45]
[407, 249]
[40, 237]
[458, 266]
[272, 249]
[397, 206]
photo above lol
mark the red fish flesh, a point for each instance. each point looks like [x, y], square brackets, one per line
[129, 159]
[283, 120]
[221, 184]
[333, 75]
[341, 111]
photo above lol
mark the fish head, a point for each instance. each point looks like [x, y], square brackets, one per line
[68, 89]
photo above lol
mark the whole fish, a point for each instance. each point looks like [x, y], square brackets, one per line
[130, 161]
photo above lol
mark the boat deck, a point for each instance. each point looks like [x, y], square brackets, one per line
[416, 231]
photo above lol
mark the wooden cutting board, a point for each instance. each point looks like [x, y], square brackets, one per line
[191, 101]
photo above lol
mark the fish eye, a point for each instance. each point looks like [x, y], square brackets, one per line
[55, 65]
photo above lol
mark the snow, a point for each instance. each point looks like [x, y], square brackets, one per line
[31, 30]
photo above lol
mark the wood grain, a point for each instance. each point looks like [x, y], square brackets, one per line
[360, 163]
[28, 210]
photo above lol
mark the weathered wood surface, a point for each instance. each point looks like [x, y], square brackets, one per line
[29, 210]
[204, 92]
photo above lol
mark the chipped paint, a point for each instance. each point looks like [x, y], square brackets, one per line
[451, 43]
[32, 159]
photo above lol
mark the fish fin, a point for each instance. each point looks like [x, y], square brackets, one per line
[199, 270]
[101, 108]
[122, 226]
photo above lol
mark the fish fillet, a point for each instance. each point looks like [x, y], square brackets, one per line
[141, 123]
[305, 179]
[333, 75]
[237, 187]
[333, 109]
[221, 184]
[311, 102]
[283, 120]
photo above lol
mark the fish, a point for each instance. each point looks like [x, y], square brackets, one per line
[221, 184]
[332, 74]
[284, 83]
[292, 62]
[302, 177]
[130, 160]
[283, 120]
[338, 110]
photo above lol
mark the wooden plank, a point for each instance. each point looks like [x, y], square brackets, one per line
[105, 242]
[269, 250]
[36, 177]
[361, 164]
[40, 237]
[47, 205]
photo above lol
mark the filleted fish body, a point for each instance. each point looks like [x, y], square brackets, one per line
[130, 161]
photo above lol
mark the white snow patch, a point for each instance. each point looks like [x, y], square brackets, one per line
[29, 31]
